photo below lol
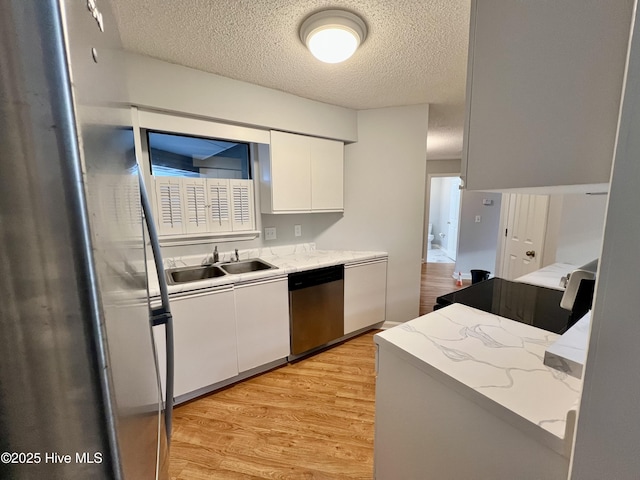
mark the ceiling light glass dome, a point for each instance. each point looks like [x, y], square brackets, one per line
[332, 36]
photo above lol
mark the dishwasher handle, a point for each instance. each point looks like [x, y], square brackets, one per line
[318, 276]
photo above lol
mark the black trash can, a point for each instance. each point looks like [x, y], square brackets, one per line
[479, 276]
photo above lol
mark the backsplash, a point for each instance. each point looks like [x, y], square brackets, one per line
[190, 260]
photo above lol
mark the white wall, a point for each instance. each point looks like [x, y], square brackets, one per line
[384, 200]
[608, 430]
[580, 228]
[478, 242]
[165, 86]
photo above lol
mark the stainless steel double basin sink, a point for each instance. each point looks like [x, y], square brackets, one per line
[202, 272]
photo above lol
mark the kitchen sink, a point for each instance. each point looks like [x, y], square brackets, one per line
[246, 266]
[192, 274]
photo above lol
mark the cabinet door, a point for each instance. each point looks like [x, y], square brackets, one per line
[195, 201]
[204, 331]
[327, 174]
[242, 217]
[219, 202]
[262, 313]
[543, 90]
[169, 206]
[365, 292]
[290, 172]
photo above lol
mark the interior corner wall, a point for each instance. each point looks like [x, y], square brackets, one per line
[478, 242]
[385, 199]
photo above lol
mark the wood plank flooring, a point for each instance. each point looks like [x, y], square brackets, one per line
[309, 420]
[436, 280]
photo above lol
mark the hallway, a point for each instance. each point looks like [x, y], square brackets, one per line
[436, 279]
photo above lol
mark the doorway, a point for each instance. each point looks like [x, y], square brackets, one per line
[524, 223]
[444, 219]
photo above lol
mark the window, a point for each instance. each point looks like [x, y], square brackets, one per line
[174, 155]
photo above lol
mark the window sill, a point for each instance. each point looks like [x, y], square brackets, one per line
[195, 239]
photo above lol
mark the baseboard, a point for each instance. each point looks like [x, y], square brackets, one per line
[386, 325]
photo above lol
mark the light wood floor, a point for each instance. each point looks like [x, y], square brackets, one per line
[308, 420]
[436, 280]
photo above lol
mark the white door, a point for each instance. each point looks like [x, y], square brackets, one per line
[454, 218]
[525, 227]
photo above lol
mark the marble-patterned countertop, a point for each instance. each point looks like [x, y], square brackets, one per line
[288, 259]
[496, 362]
[569, 352]
[548, 276]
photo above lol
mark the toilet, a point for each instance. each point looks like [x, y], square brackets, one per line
[429, 237]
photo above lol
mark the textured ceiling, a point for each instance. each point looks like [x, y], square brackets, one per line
[415, 51]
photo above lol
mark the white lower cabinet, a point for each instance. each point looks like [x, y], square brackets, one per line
[204, 331]
[262, 317]
[365, 292]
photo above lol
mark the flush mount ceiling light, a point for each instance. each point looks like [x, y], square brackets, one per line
[332, 36]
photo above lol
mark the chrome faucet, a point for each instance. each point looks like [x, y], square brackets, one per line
[216, 256]
[235, 257]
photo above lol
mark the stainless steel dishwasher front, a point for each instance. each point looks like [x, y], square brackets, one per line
[316, 304]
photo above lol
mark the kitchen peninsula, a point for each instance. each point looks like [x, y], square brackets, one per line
[462, 393]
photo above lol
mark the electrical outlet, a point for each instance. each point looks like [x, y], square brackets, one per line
[270, 233]
[478, 218]
[297, 230]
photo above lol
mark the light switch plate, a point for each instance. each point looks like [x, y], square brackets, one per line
[478, 218]
[270, 233]
[297, 230]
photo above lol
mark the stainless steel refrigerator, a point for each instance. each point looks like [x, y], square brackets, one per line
[80, 394]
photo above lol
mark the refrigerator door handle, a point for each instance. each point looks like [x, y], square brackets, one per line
[161, 315]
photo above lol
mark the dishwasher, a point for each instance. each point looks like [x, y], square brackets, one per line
[316, 308]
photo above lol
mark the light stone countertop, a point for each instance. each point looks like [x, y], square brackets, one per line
[548, 276]
[496, 362]
[288, 259]
[569, 353]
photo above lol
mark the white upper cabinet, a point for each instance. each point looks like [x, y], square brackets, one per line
[543, 89]
[302, 174]
[290, 172]
[327, 175]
